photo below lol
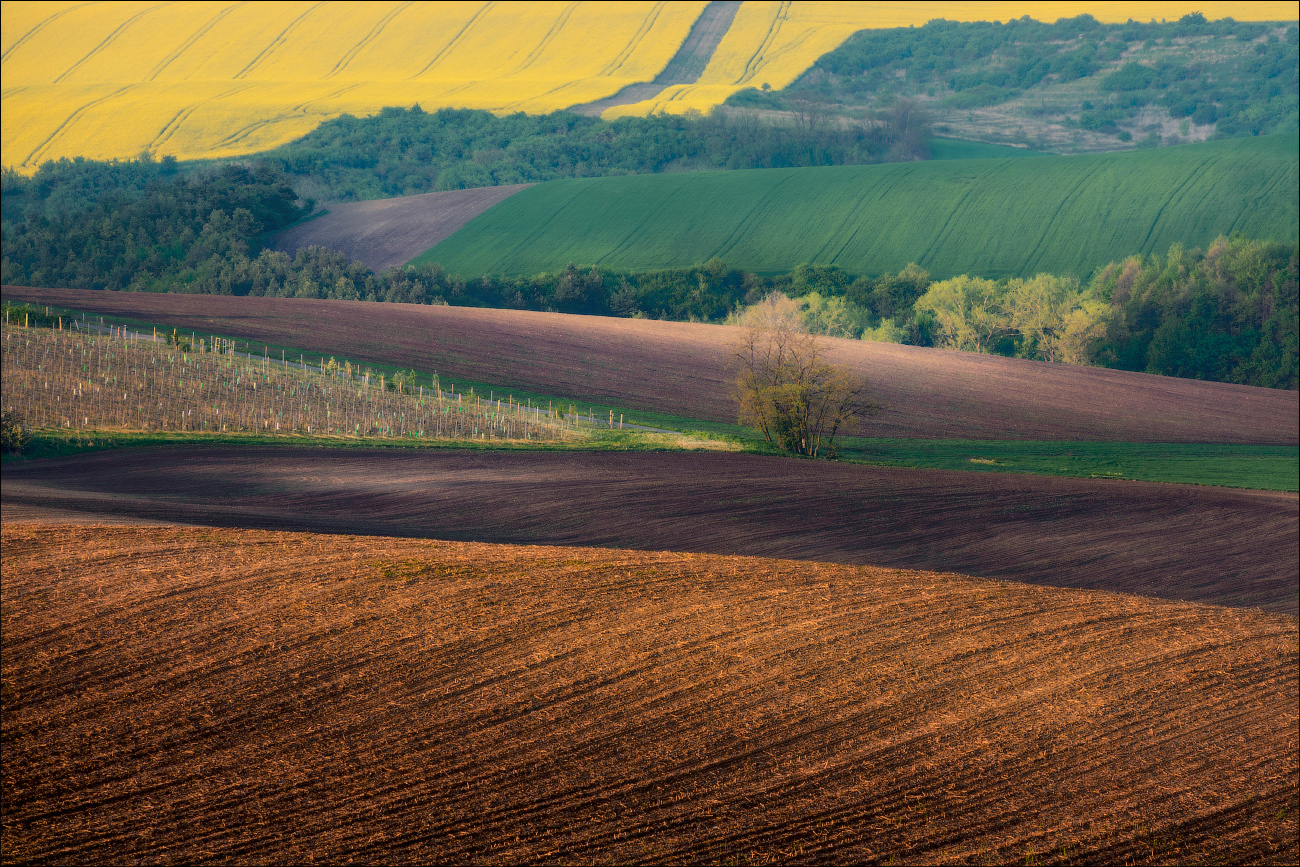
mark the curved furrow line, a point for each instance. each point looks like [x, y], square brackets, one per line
[277, 41]
[38, 28]
[44, 145]
[367, 39]
[782, 12]
[108, 40]
[169, 129]
[455, 40]
[1194, 175]
[792, 45]
[546, 40]
[193, 38]
[635, 42]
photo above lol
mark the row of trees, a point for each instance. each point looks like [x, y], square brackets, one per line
[404, 151]
[1229, 312]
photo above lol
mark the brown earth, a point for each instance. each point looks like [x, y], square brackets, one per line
[180, 695]
[682, 368]
[385, 233]
[1215, 545]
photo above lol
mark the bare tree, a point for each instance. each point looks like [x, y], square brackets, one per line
[784, 385]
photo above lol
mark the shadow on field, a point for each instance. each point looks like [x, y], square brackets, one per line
[1210, 545]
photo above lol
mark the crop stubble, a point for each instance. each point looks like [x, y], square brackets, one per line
[682, 368]
[177, 694]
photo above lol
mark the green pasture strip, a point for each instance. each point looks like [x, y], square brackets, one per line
[1270, 468]
[960, 149]
[59, 443]
[990, 217]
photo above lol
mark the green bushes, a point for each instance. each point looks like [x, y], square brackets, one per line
[13, 434]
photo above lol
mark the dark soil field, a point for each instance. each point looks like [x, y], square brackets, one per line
[682, 369]
[1183, 542]
[186, 695]
[388, 232]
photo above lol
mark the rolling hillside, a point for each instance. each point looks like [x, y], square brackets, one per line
[682, 368]
[109, 80]
[183, 695]
[993, 218]
[1087, 534]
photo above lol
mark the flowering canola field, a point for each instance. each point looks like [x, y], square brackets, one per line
[209, 79]
[774, 42]
[213, 79]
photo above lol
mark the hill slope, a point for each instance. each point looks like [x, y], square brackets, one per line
[682, 368]
[1094, 534]
[989, 217]
[200, 80]
[270, 697]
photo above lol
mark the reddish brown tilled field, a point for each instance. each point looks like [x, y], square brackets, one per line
[681, 368]
[1201, 544]
[176, 695]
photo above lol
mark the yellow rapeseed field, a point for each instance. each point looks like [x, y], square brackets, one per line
[222, 78]
[774, 42]
[207, 79]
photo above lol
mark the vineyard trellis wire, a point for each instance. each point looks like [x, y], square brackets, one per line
[57, 378]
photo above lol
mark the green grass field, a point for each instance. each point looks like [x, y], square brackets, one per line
[960, 149]
[1270, 468]
[992, 217]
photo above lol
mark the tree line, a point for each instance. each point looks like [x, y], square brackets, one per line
[1227, 313]
[404, 151]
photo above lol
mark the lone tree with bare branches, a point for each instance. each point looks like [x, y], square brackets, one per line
[784, 385]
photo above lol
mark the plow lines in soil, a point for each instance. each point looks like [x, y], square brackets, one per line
[1191, 543]
[681, 368]
[193, 694]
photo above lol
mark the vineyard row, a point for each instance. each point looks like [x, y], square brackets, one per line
[65, 379]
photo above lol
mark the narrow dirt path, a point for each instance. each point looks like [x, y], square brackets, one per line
[687, 64]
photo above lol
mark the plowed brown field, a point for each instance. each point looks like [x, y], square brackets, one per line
[681, 368]
[1219, 545]
[385, 233]
[180, 695]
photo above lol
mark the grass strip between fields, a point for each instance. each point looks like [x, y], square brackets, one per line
[1262, 467]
